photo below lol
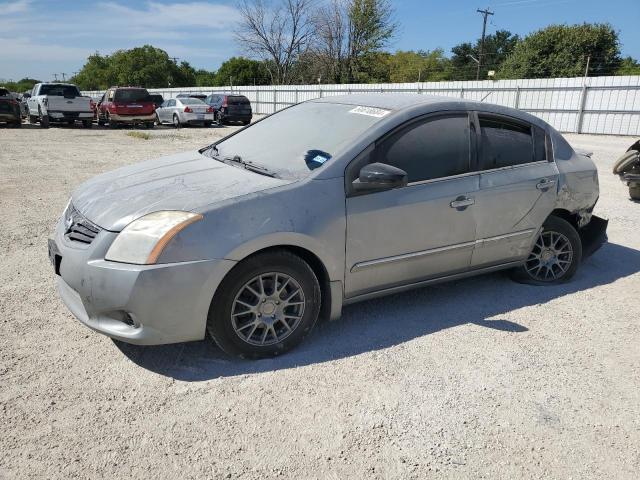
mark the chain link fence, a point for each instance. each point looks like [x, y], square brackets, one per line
[597, 105]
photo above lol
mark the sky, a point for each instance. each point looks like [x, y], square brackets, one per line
[41, 37]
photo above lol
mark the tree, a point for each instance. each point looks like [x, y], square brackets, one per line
[418, 66]
[21, 86]
[348, 35]
[242, 71]
[277, 31]
[144, 66]
[562, 51]
[205, 78]
[497, 47]
[370, 28]
[628, 66]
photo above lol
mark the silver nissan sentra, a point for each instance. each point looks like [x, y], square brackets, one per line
[336, 200]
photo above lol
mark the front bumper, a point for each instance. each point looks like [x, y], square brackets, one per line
[133, 118]
[139, 304]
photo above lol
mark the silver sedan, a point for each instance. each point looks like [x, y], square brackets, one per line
[252, 239]
[184, 111]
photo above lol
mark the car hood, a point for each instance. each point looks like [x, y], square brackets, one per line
[186, 181]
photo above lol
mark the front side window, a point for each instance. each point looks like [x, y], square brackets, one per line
[428, 150]
[505, 144]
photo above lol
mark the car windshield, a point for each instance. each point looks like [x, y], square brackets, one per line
[191, 101]
[299, 139]
[60, 90]
[132, 95]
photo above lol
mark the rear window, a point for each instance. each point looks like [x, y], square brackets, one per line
[132, 95]
[68, 91]
[191, 101]
[237, 101]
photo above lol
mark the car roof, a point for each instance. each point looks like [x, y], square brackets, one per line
[416, 103]
[389, 101]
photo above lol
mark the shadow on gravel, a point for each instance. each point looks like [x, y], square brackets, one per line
[392, 320]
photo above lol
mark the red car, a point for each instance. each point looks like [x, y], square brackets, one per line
[126, 105]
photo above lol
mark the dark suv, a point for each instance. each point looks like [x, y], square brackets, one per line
[230, 108]
[9, 109]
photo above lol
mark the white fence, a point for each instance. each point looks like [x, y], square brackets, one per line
[601, 105]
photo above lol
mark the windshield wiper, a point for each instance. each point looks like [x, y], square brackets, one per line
[249, 166]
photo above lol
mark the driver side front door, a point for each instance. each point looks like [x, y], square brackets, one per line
[423, 230]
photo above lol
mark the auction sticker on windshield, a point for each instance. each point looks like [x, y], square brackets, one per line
[370, 111]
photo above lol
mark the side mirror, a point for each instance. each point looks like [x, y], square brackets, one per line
[378, 177]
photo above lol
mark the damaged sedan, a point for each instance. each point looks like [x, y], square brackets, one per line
[251, 240]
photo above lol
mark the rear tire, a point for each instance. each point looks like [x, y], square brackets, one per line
[18, 124]
[625, 162]
[246, 122]
[44, 121]
[555, 255]
[265, 306]
[634, 192]
[87, 123]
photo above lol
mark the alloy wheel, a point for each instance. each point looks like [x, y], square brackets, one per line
[550, 258]
[267, 309]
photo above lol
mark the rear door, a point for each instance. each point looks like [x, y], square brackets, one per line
[518, 188]
[424, 230]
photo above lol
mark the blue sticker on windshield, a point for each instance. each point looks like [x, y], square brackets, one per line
[316, 158]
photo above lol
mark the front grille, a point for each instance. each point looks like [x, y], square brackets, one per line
[78, 228]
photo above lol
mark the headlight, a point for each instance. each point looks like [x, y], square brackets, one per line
[142, 241]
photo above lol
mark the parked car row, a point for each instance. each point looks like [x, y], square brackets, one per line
[63, 103]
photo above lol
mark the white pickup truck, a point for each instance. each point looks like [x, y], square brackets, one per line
[59, 102]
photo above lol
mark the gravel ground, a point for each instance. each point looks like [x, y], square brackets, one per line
[481, 378]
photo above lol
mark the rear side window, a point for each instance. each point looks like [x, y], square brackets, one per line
[505, 144]
[427, 150]
[132, 95]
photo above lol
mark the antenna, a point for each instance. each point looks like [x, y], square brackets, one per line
[485, 13]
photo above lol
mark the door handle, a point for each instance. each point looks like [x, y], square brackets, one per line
[462, 202]
[545, 184]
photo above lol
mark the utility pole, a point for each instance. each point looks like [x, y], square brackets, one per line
[485, 13]
[586, 70]
[63, 78]
[55, 76]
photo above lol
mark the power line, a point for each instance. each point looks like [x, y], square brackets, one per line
[485, 13]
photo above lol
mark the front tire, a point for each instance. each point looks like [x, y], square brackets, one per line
[176, 121]
[87, 123]
[555, 256]
[634, 191]
[265, 306]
